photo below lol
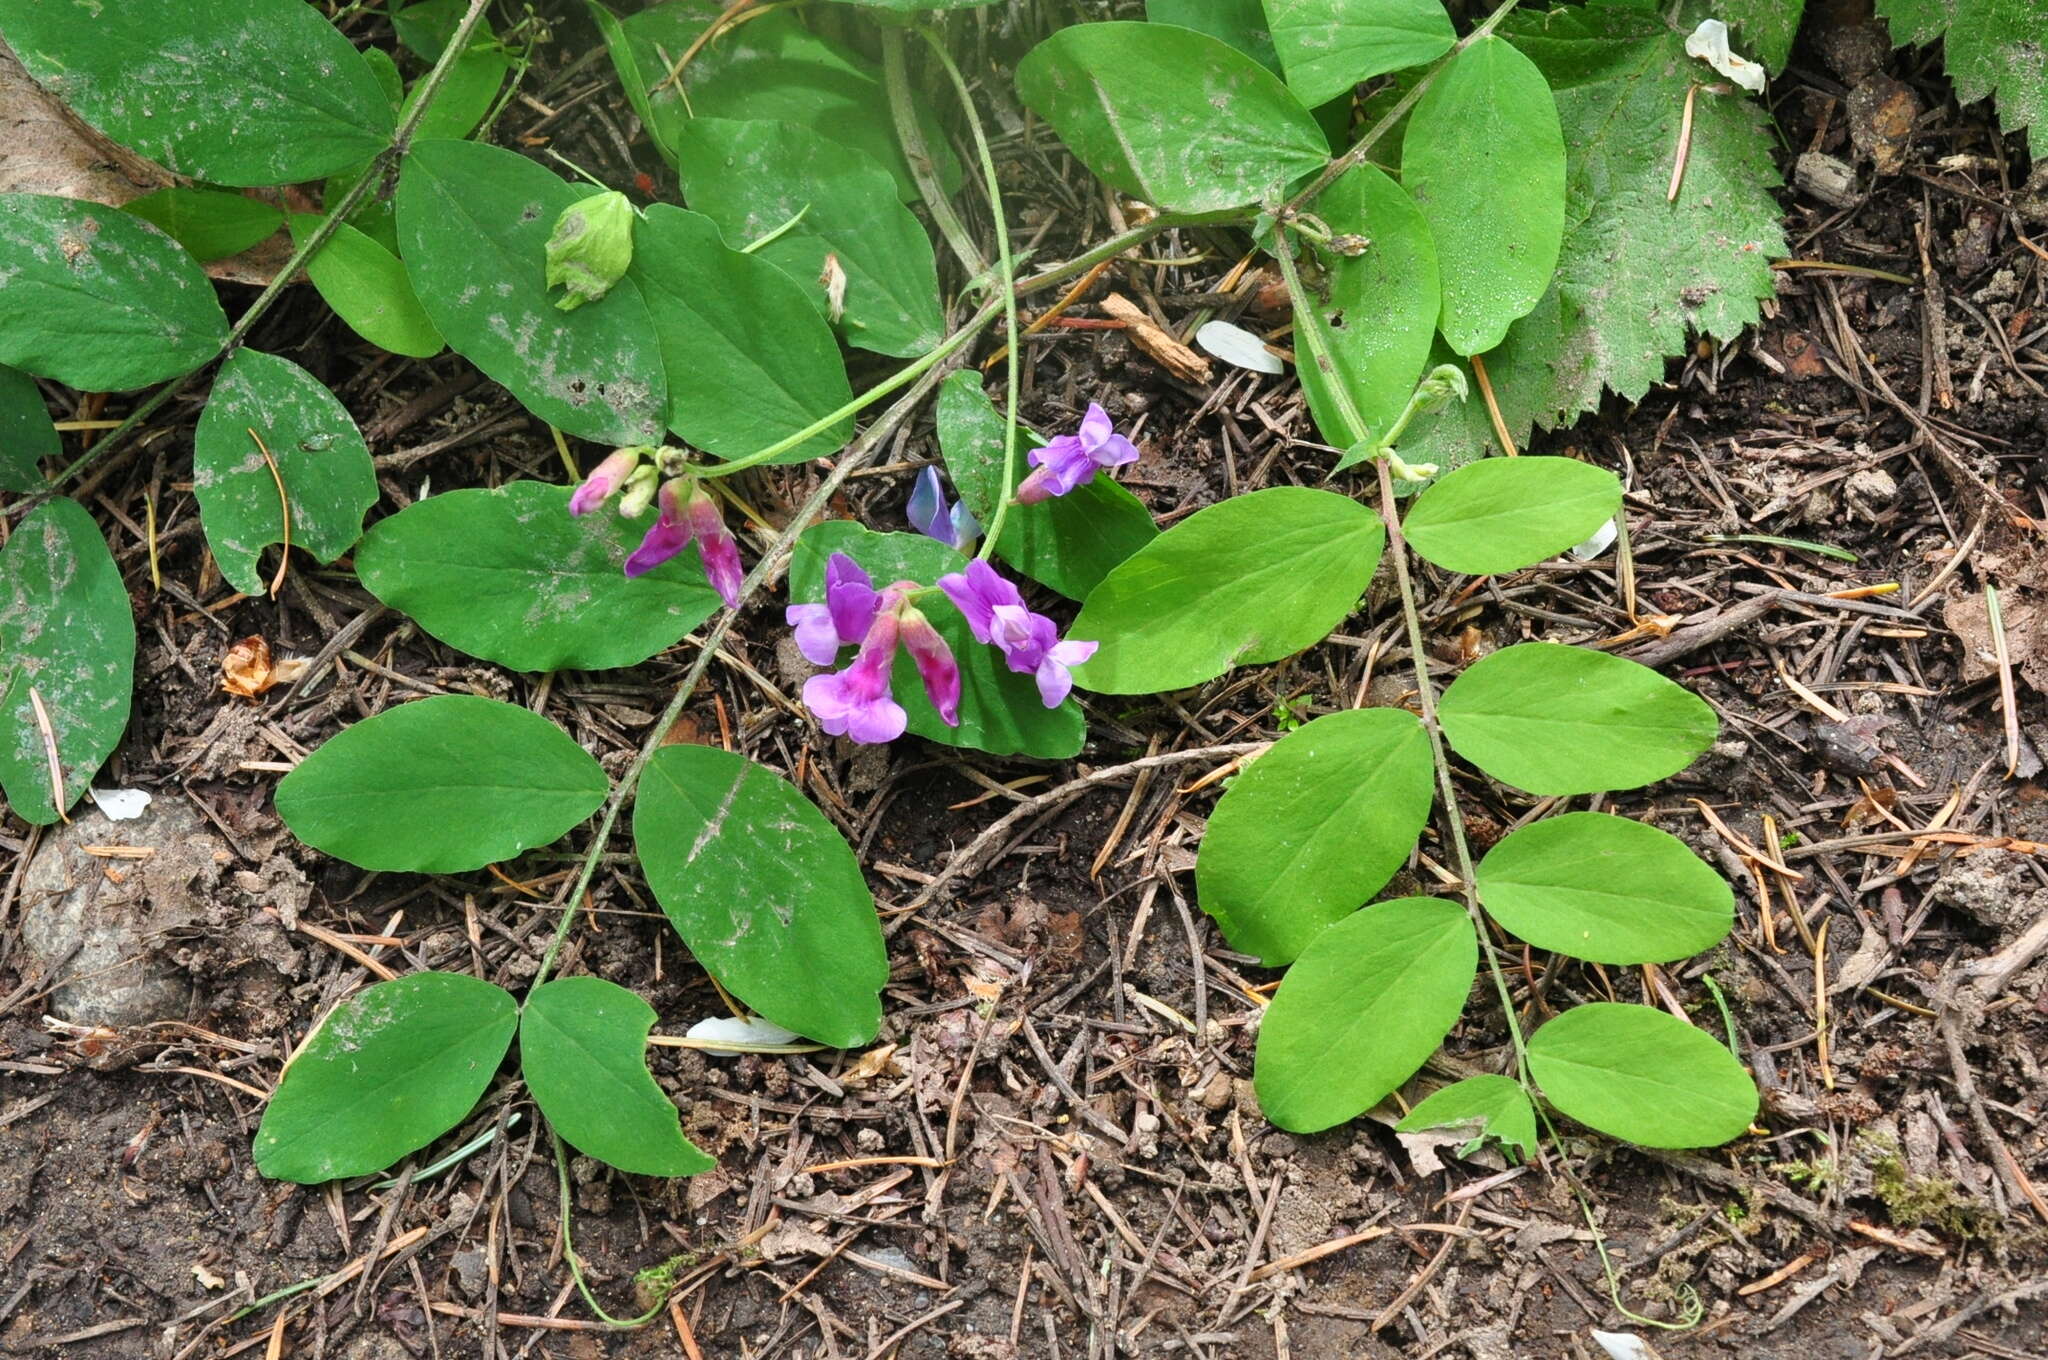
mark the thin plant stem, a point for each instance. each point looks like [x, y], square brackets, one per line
[1454, 818]
[380, 166]
[1008, 265]
[917, 154]
[575, 1265]
[859, 452]
[1317, 343]
[1360, 149]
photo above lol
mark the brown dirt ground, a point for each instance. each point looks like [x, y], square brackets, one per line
[1064, 1029]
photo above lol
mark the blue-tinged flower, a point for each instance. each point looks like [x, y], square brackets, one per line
[843, 619]
[1030, 643]
[1072, 459]
[953, 525]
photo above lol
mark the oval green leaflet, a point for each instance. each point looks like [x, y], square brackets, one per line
[1313, 828]
[1362, 1009]
[1639, 1074]
[390, 1070]
[441, 786]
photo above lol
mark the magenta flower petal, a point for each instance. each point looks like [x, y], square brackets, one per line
[976, 593]
[935, 664]
[670, 534]
[1055, 679]
[716, 546]
[816, 638]
[856, 702]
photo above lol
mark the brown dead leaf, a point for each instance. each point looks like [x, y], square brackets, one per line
[1881, 115]
[248, 670]
[1171, 354]
[876, 1062]
[2026, 621]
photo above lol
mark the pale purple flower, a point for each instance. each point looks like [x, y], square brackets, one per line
[843, 619]
[688, 512]
[1071, 459]
[856, 702]
[1030, 643]
[954, 525]
[606, 478]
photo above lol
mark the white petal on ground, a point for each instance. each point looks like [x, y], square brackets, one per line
[1709, 42]
[1602, 539]
[1236, 345]
[121, 805]
[1624, 1346]
[729, 1034]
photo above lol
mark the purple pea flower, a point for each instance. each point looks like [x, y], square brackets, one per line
[1030, 643]
[856, 702]
[850, 605]
[606, 478]
[1071, 459]
[688, 512]
[955, 525]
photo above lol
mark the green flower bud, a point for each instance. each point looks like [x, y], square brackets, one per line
[591, 247]
[1444, 382]
[639, 492]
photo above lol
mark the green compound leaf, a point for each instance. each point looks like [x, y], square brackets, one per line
[1313, 828]
[1000, 711]
[1364, 1007]
[1502, 514]
[764, 890]
[392, 1069]
[749, 359]
[474, 222]
[211, 223]
[1328, 46]
[466, 96]
[1636, 274]
[1239, 583]
[1557, 720]
[1641, 1075]
[27, 434]
[781, 72]
[1495, 1107]
[507, 575]
[239, 92]
[441, 786]
[754, 177]
[99, 300]
[1484, 158]
[319, 455]
[1177, 118]
[1240, 23]
[368, 289]
[1606, 889]
[66, 632]
[1068, 543]
[1991, 46]
[1379, 310]
[583, 1052]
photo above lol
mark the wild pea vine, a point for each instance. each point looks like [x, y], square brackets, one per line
[1446, 286]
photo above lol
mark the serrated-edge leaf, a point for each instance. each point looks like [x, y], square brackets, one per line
[583, 1054]
[325, 1120]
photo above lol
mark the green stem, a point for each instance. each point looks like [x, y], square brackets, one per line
[401, 143]
[575, 1265]
[1361, 148]
[859, 452]
[909, 373]
[993, 183]
[903, 109]
[1454, 817]
[1309, 328]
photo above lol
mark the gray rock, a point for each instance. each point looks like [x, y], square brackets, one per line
[97, 923]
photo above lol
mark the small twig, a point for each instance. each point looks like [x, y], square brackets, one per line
[284, 511]
[1500, 426]
[49, 735]
[2008, 697]
[1692, 94]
